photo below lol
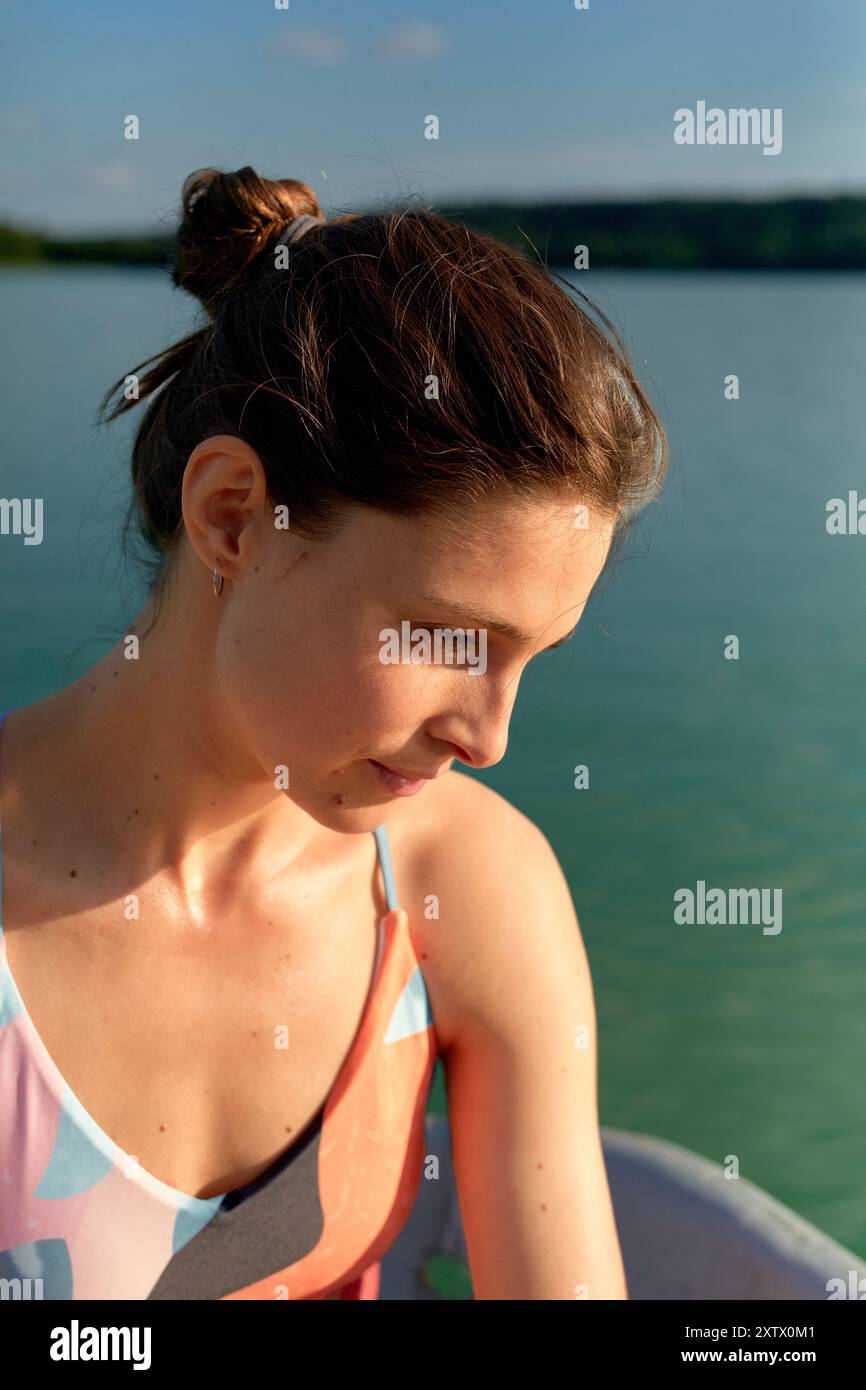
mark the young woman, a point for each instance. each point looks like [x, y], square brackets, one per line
[247, 896]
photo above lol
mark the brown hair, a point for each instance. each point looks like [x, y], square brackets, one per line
[326, 369]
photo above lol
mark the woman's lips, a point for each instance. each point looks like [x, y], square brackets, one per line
[399, 783]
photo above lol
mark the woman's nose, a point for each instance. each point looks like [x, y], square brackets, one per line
[478, 726]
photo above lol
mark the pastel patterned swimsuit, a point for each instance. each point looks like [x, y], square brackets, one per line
[82, 1217]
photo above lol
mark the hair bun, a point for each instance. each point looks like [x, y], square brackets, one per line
[227, 221]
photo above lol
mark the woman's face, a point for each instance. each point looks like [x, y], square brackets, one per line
[304, 631]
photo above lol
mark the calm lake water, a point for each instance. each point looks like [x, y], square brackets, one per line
[742, 774]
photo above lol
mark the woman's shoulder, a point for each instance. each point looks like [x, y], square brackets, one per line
[486, 900]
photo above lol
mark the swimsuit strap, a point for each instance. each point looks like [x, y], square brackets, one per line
[384, 852]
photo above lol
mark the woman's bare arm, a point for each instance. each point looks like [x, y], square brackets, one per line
[521, 1066]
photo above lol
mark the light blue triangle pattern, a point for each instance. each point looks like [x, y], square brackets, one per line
[78, 1160]
[10, 1000]
[47, 1260]
[412, 1012]
[191, 1219]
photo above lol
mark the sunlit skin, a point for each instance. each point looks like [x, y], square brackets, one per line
[155, 777]
[283, 669]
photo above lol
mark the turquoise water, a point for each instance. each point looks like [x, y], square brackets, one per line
[742, 773]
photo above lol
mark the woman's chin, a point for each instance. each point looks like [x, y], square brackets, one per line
[341, 812]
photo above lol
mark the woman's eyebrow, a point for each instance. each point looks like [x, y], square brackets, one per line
[473, 619]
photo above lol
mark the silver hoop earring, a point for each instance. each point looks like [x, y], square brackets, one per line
[217, 581]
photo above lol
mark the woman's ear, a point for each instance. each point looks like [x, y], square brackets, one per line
[222, 492]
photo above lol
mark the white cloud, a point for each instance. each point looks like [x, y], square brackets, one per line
[322, 47]
[408, 42]
[110, 174]
[316, 46]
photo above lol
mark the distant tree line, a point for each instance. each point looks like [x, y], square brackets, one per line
[685, 234]
[656, 234]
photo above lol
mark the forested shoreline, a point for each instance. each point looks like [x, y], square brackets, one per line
[797, 233]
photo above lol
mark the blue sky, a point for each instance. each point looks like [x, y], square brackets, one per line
[534, 99]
